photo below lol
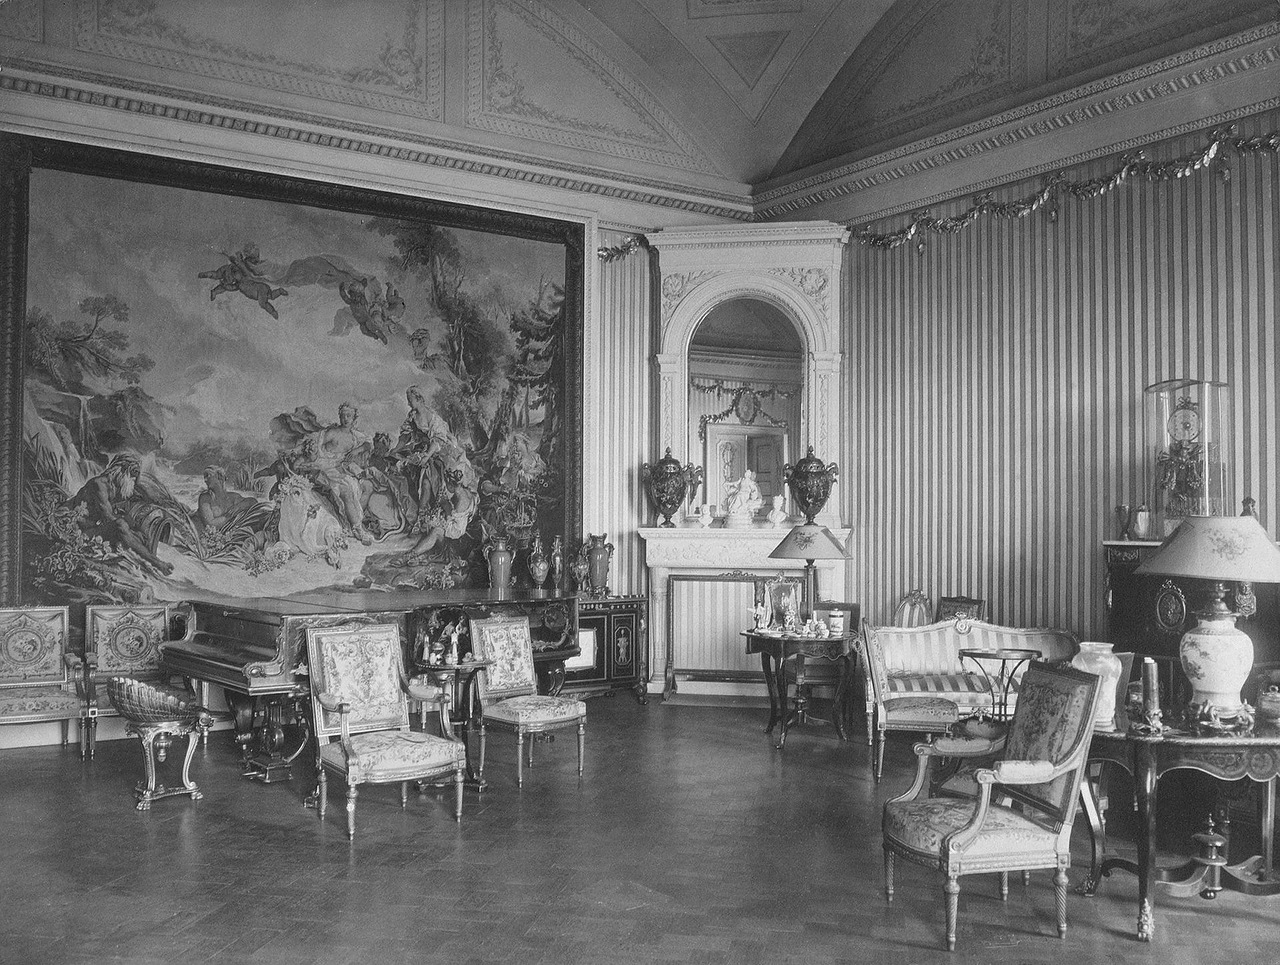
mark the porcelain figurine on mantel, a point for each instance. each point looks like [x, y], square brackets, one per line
[742, 500]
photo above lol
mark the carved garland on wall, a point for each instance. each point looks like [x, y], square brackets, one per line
[1214, 156]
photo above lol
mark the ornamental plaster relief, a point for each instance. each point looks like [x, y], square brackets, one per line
[596, 105]
[381, 54]
[22, 20]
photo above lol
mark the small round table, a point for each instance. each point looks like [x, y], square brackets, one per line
[459, 701]
[1005, 664]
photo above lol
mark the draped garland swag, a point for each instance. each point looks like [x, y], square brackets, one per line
[1223, 144]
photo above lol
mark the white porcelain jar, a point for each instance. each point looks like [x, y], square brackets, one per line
[1097, 658]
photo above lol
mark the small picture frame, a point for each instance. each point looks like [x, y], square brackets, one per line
[782, 603]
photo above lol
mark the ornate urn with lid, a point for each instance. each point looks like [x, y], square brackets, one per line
[810, 480]
[668, 484]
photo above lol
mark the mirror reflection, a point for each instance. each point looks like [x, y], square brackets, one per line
[746, 378]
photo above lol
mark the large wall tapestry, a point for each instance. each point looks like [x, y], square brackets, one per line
[222, 382]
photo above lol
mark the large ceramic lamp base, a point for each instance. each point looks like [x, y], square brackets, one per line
[1217, 657]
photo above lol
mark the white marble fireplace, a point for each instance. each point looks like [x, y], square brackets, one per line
[701, 586]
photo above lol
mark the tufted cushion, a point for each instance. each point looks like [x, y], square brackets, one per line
[534, 709]
[921, 826]
[922, 711]
[38, 703]
[393, 755]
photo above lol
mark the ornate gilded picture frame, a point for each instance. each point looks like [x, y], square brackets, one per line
[783, 601]
[247, 384]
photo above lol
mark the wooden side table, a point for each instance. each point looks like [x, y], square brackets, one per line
[776, 647]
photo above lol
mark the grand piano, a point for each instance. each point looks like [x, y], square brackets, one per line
[256, 651]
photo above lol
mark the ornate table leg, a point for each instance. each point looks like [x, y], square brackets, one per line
[1089, 887]
[780, 675]
[771, 684]
[1145, 781]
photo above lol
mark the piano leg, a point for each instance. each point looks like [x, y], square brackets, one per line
[262, 727]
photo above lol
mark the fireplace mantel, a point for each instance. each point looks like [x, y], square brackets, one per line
[728, 551]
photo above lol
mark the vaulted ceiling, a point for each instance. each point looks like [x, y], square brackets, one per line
[703, 106]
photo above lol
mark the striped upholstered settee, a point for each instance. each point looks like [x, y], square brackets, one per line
[925, 661]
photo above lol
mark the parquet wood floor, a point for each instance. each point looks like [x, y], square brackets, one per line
[691, 840]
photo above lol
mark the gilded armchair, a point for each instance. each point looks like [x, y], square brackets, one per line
[915, 713]
[508, 691]
[119, 641]
[1021, 818]
[35, 666]
[360, 704]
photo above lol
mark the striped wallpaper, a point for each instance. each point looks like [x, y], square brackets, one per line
[994, 407]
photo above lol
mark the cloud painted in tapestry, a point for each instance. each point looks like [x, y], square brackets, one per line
[252, 398]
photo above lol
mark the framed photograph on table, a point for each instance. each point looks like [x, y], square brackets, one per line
[782, 599]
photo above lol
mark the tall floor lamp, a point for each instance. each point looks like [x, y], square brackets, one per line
[1216, 655]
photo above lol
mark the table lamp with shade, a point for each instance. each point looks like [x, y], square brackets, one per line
[810, 480]
[1216, 655]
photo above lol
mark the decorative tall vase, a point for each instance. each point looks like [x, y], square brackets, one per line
[498, 554]
[539, 566]
[810, 480]
[598, 555]
[557, 560]
[1097, 658]
[668, 484]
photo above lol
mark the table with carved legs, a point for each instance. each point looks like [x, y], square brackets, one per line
[1228, 757]
[775, 648]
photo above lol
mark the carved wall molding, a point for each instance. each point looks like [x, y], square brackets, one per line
[23, 20]
[1233, 60]
[174, 106]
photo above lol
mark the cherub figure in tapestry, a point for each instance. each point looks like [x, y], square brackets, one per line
[243, 273]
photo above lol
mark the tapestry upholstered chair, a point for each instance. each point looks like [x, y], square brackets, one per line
[809, 672]
[35, 685]
[1021, 818]
[916, 713]
[360, 705]
[508, 690]
[119, 641]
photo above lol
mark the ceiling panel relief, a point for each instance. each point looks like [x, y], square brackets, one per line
[1084, 34]
[533, 74]
[740, 8]
[382, 54]
[749, 54]
[22, 20]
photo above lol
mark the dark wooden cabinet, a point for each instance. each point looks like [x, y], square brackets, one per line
[613, 636]
[1149, 614]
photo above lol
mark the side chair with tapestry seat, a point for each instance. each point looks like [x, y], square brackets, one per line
[119, 641]
[360, 705]
[810, 672]
[508, 691]
[916, 713]
[1021, 818]
[35, 668]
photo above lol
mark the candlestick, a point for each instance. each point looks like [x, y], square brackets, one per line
[1150, 687]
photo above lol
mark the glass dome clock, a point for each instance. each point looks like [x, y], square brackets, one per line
[1187, 443]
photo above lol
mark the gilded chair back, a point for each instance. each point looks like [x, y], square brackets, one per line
[1053, 722]
[505, 641]
[32, 643]
[950, 607]
[362, 666]
[914, 610]
[126, 639]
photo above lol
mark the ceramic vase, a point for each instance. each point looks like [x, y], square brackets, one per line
[598, 555]
[539, 565]
[810, 480]
[498, 554]
[557, 560]
[1097, 658]
[668, 484]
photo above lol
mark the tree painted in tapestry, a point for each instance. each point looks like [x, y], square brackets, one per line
[249, 398]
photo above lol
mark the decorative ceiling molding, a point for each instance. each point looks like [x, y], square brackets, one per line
[178, 106]
[403, 75]
[22, 20]
[740, 8]
[749, 54]
[1208, 64]
[618, 116]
